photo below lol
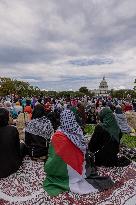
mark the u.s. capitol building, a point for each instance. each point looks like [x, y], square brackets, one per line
[103, 89]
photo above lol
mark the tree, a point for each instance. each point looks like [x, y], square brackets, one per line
[84, 90]
[6, 86]
[9, 86]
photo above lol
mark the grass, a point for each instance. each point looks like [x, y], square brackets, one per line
[89, 129]
[129, 141]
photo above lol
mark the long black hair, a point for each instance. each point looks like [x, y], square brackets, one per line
[4, 117]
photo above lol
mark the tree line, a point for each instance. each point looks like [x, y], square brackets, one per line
[10, 86]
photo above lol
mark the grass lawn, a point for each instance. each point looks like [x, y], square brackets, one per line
[129, 141]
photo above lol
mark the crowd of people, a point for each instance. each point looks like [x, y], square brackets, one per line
[53, 130]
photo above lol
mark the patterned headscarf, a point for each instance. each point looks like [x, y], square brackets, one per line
[109, 123]
[41, 127]
[71, 129]
[122, 120]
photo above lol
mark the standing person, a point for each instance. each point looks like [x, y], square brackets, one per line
[34, 100]
[11, 151]
[18, 108]
[105, 140]
[28, 108]
[23, 102]
[11, 109]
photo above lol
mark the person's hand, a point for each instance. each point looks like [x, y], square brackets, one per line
[133, 131]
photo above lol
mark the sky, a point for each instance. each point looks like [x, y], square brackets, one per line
[67, 44]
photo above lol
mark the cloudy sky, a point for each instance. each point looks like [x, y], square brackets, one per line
[66, 44]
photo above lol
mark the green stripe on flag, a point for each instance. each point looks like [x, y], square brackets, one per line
[57, 180]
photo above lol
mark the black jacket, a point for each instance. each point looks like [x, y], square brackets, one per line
[107, 147]
[10, 158]
[37, 146]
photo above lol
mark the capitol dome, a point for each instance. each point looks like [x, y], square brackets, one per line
[103, 85]
[103, 88]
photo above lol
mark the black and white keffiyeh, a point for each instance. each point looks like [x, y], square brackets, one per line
[71, 129]
[41, 127]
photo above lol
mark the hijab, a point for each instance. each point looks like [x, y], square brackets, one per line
[70, 127]
[4, 117]
[109, 123]
[38, 111]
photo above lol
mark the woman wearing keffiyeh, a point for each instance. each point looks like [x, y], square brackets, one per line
[66, 165]
[70, 127]
[38, 133]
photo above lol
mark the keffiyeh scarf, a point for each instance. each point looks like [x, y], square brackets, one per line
[41, 127]
[71, 129]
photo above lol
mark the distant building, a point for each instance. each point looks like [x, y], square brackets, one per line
[103, 89]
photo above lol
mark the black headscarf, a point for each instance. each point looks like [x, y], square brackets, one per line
[4, 117]
[38, 111]
[118, 110]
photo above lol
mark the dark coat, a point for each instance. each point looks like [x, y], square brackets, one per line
[108, 147]
[10, 157]
[37, 146]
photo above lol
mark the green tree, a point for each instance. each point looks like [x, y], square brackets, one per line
[6, 86]
[9, 86]
[84, 90]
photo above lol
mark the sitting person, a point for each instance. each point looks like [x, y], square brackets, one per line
[122, 120]
[18, 108]
[128, 107]
[11, 109]
[38, 132]
[105, 140]
[11, 151]
[28, 108]
[21, 121]
[64, 167]
[91, 116]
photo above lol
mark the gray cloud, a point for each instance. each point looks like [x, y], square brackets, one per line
[93, 61]
[45, 42]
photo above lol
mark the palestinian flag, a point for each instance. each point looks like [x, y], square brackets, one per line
[65, 168]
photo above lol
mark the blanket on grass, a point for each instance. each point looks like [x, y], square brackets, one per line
[25, 188]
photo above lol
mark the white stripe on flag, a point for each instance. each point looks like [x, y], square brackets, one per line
[78, 184]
